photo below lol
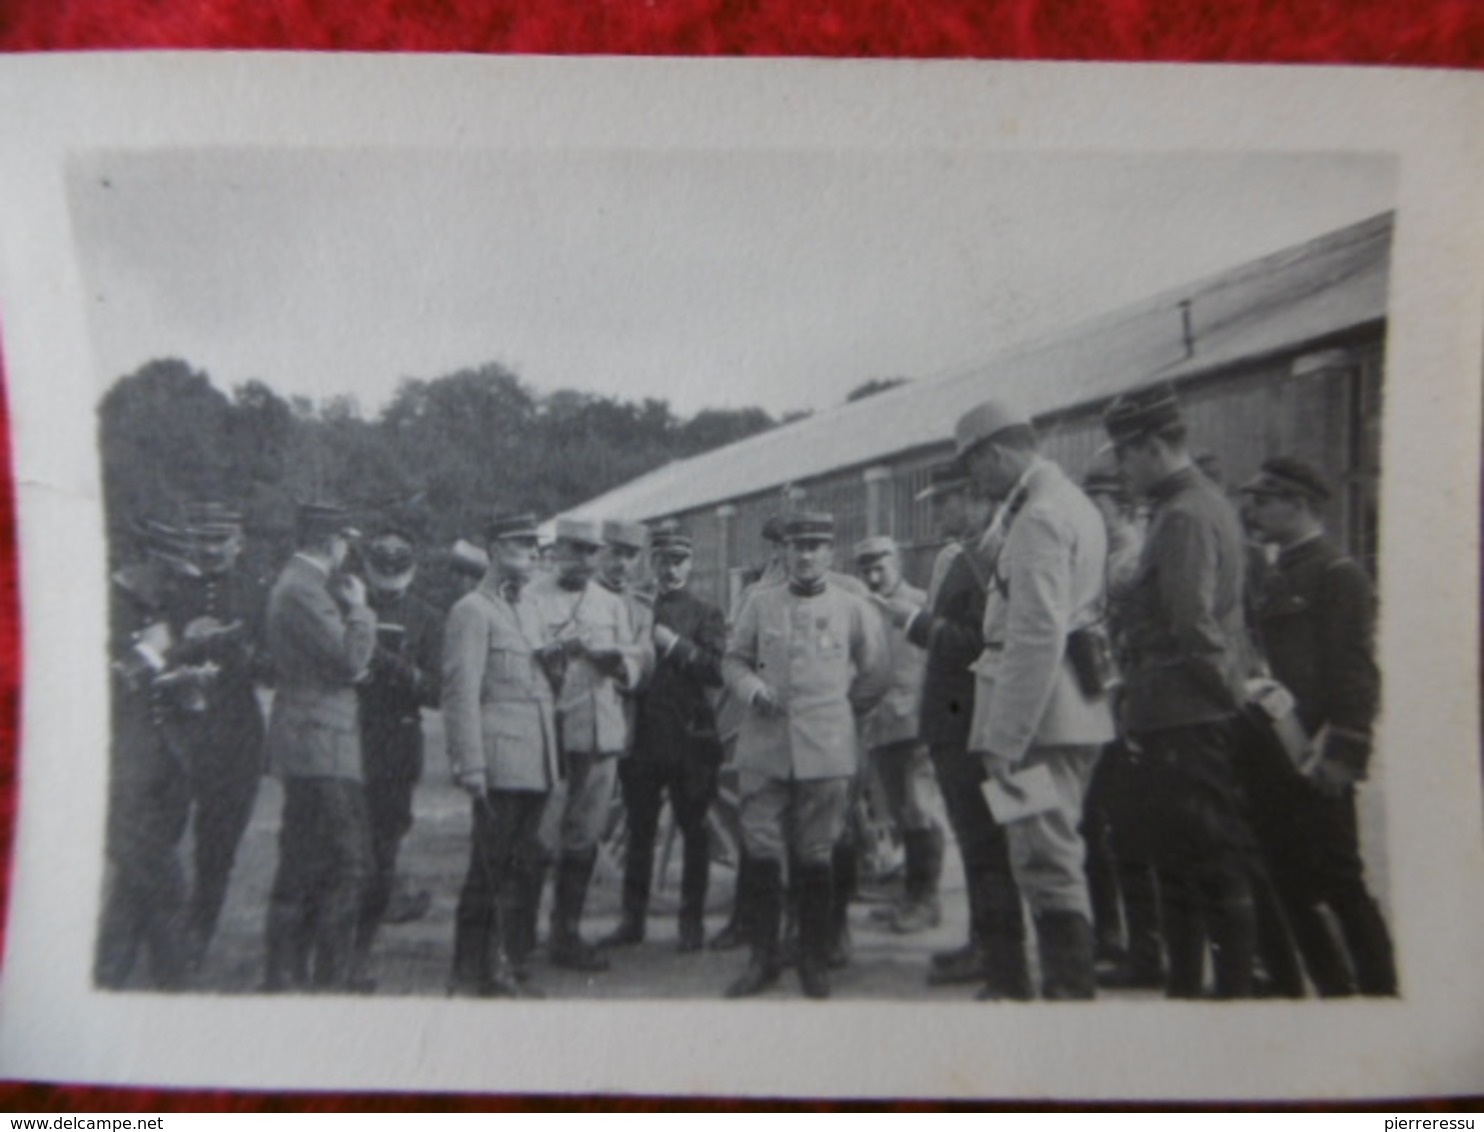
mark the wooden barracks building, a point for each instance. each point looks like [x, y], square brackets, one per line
[1281, 355]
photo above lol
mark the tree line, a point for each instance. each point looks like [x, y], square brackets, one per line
[439, 458]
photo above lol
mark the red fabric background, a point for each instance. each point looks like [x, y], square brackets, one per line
[1430, 33]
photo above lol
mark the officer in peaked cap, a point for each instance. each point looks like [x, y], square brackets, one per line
[1153, 410]
[219, 611]
[1316, 617]
[497, 698]
[1187, 656]
[804, 657]
[403, 680]
[321, 634]
[1288, 477]
[605, 662]
[890, 736]
[676, 751]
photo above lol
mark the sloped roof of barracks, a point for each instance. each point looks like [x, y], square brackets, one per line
[1280, 302]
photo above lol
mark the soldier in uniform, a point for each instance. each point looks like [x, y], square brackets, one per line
[1316, 617]
[1120, 869]
[1188, 655]
[403, 679]
[158, 692]
[498, 675]
[729, 716]
[676, 749]
[321, 634]
[594, 627]
[804, 657]
[1035, 704]
[951, 630]
[890, 736]
[220, 610]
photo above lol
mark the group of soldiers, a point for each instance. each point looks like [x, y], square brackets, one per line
[1146, 707]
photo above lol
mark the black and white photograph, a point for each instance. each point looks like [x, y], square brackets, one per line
[685, 583]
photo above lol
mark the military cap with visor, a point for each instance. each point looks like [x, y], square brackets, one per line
[670, 538]
[876, 547]
[1141, 413]
[511, 524]
[809, 526]
[582, 532]
[945, 479]
[322, 519]
[1287, 476]
[625, 533]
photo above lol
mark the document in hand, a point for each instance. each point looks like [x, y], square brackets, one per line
[1027, 792]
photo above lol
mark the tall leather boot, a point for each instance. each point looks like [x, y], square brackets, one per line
[761, 905]
[1275, 939]
[568, 948]
[788, 946]
[735, 934]
[1185, 935]
[818, 928]
[1146, 964]
[1065, 943]
[1320, 951]
[843, 880]
[1369, 942]
[1232, 917]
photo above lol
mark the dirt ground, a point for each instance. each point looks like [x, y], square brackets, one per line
[413, 958]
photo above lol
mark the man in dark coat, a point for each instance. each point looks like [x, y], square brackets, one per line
[676, 748]
[321, 634]
[1188, 657]
[951, 629]
[1316, 617]
[220, 610]
[403, 679]
[156, 694]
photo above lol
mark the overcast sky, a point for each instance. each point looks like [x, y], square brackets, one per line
[706, 279]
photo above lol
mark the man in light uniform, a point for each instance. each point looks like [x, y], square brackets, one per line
[502, 747]
[805, 658]
[595, 629]
[890, 736]
[1032, 708]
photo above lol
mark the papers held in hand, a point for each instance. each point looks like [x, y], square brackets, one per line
[1023, 794]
